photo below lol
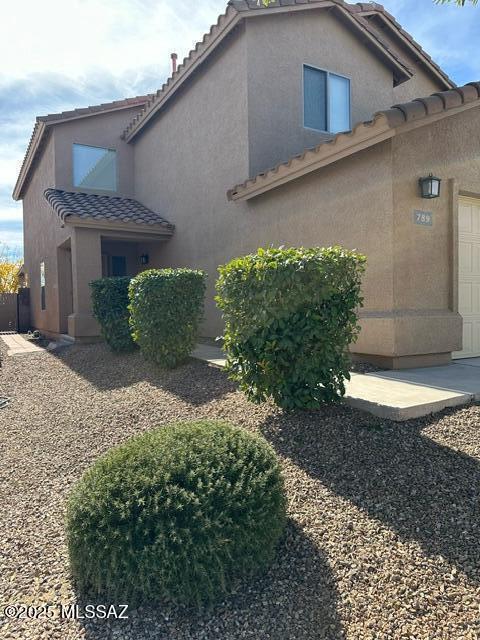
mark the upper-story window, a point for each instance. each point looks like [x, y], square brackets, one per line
[94, 168]
[326, 100]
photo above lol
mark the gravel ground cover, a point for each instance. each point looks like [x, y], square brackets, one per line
[383, 536]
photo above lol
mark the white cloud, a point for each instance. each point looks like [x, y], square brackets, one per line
[74, 37]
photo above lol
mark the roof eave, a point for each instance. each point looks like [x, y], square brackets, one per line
[40, 129]
[131, 227]
[422, 56]
[401, 71]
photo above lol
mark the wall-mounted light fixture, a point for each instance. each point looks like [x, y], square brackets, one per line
[430, 187]
[144, 259]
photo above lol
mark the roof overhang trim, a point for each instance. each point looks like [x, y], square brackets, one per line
[37, 138]
[130, 227]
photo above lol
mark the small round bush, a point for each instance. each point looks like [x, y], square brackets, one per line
[179, 513]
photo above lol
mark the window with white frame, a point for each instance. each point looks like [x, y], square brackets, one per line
[326, 101]
[94, 168]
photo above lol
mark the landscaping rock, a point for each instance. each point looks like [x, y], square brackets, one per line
[384, 518]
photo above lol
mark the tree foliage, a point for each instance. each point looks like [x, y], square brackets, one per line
[459, 3]
[9, 281]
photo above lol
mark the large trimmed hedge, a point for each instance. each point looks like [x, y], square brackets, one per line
[290, 315]
[182, 513]
[110, 307]
[166, 307]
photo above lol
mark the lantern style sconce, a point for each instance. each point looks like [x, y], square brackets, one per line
[430, 187]
[144, 259]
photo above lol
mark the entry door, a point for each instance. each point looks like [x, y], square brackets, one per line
[469, 275]
[119, 266]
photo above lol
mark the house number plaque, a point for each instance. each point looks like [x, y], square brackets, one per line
[424, 218]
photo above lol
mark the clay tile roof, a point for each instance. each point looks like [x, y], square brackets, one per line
[438, 103]
[355, 14]
[382, 126]
[125, 103]
[100, 207]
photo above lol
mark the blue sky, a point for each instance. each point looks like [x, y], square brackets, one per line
[71, 54]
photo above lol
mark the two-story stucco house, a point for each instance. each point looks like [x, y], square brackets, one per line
[277, 129]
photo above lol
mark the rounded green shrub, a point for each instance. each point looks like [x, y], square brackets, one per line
[166, 307]
[179, 513]
[290, 315]
[110, 307]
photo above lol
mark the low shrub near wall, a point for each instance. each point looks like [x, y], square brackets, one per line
[166, 307]
[182, 512]
[290, 315]
[110, 307]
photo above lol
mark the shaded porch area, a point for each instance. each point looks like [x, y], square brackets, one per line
[109, 237]
[89, 255]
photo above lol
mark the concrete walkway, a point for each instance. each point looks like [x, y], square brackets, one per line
[19, 346]
[399, 395]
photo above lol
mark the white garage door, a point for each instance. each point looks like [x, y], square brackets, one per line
[469, 275]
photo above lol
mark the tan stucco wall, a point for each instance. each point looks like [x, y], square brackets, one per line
[43, 232]
[187, 159]
[99, 131]
[243, 111]
[425, 257]
[355, 202]
[348, 203]
[277, 48]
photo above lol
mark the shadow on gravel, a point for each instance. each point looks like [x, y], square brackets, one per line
[296, 599]
[424, 491]
[194, 382]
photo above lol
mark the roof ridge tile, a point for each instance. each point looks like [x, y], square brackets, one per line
[98, 108]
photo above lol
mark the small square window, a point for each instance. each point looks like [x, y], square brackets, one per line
[326, 101]
[94, 168]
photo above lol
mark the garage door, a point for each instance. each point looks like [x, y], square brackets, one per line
[469, 275]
